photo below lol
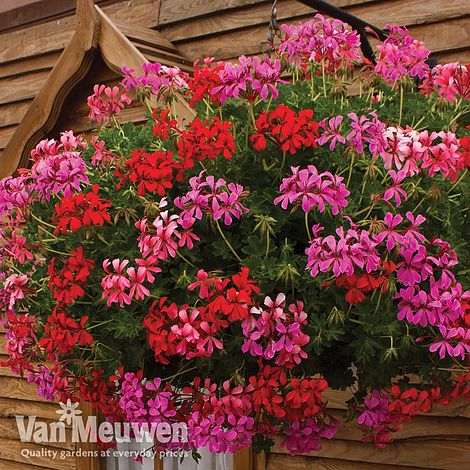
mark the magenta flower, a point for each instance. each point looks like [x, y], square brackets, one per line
[331, 132]
[310, 189]
[116, 284]
[376, 409]
[395, 191]
[393, 237]
[213, 197]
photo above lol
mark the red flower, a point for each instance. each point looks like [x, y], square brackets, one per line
[465, 143]
[62, 333]
[205, 79]
[67, 284]
[81, 210]
[287, 129]
[205, 140]
[152, 172]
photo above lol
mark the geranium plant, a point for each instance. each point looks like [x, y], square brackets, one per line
[307, 229]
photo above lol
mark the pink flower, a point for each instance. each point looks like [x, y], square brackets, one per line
[115, 284]
[395, 190]
[214, 197]
[332, 133]
[321, 40]
[106, 102]
[14, 288]
[393, 237]
[312, 189]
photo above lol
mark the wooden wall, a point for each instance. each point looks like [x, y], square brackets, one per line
[18, 397]
[228, 28]
[437, 440]
[27, 55]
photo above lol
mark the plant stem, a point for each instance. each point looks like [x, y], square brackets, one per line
[307, 227]
[185, 259]
[232, 249]
[323, 77]
[401, 104]
[458, 181]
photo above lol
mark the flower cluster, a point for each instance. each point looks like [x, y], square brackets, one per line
[342, 253]
[204, 80]
[327, 41]
[117, 247]
[68, 284]
[401, 56]
[156, 79]
[272, 333]
[308, 189]
[81, 210]
[384, 412]
[289, 130]
[195, 332]
[62, 333]
[152, 172]
[251, 79]
[214, 197]
[106, 102]
[449, 81]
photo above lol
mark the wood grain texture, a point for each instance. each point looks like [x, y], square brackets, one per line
[20, 88]
[288, 462]
[430, 454]
[12, 113]
[54, 35]
[9, 465]
[32, 64]
[11, 450]
[448, 35]
[378, 13]
[9, 407]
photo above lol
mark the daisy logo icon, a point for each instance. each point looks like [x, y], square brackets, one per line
[68, 412]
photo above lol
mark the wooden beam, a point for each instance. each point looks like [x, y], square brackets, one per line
[118, 50]
[71, 67]
[88, 24]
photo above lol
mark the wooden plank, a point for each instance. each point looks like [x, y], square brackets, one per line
[178, 10]
[154, 55]
[376, 12]
[459, 56]
[146, 36]
[32, 64]
[429, 454]
[6, 133]
[3, 344]
[21, 88]
[10, 407]
[12, 113]
[288, 462]
[54, 36]
[41, 117]
[9, 430]
[419, 427]
[251, 15]
[20, 389]
[23, 12]
[243, 459]
[444, 36]
[11, 450]
[9, 465]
